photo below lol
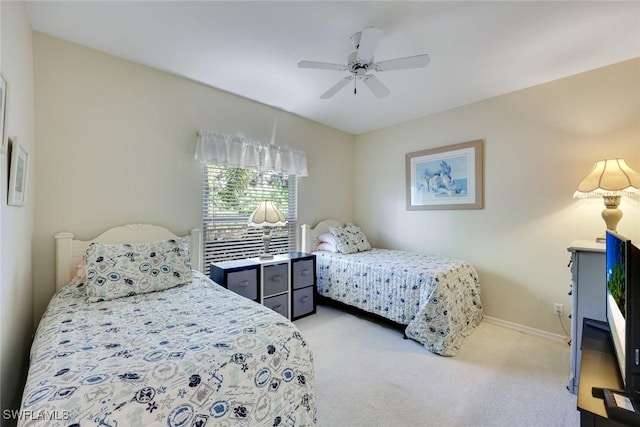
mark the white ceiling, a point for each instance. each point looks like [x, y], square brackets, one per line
[478, 49]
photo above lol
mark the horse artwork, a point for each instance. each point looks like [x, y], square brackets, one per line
[445, 178]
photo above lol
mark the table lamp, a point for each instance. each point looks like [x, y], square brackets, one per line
[267, 216]
[610, 179]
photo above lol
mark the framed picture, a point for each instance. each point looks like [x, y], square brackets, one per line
[18, 172]
[446, 177]
[3, 115]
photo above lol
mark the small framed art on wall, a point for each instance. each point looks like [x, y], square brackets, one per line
[18, 173]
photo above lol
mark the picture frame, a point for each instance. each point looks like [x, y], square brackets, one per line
[449, 177]
[18, 173]
[3, 115]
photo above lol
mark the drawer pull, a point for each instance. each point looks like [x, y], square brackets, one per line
[304, 298]
[304, 272]
[244, 283]
[276, 278]
[276, 307]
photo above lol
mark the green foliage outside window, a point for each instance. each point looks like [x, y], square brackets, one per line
[235, 192]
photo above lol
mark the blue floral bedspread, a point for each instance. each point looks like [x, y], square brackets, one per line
[193, 355]
[437, 298]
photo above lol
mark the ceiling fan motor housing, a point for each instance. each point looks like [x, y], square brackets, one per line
[358, 67]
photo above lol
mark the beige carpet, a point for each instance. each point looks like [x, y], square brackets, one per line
[368, 375]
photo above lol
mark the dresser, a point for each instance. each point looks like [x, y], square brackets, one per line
[285, 284]
[588, 297]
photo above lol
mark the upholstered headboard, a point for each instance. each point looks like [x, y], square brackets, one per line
[69, 251]
[309, 238]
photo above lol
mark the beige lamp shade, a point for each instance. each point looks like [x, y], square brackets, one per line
[611, 177]
[267, 215]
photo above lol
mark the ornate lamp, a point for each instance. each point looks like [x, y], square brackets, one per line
[610, 179]
[267, 216]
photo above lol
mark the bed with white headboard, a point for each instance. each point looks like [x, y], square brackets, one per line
[435, 300]
[70, 251]
[173, 349]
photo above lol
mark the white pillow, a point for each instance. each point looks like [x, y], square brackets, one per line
[328, 247]
[327, 238]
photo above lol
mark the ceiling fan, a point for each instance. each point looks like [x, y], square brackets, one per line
[360, 62]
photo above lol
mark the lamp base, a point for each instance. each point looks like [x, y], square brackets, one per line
[611, 215]
[266, 239]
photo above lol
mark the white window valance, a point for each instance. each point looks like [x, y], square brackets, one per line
[236, 151]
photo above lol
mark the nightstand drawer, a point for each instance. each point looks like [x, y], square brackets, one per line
[303, 274]
[276, 279]
[278, 304]
[244, 283]
[303, 302]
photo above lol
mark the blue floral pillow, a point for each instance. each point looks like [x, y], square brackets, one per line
[350, 239]
[120, 270]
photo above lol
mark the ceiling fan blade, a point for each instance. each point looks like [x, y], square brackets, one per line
[322, 65]
[369, 39]
[335, 88]
[417, 61]
[376, 86]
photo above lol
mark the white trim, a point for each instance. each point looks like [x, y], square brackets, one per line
[525, 329]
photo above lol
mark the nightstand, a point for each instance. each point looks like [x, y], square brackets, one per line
[286, 283]
[303, 284]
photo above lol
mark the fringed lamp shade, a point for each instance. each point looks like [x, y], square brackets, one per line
[267, 216]
[610, 179]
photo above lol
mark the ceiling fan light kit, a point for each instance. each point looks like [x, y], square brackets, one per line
[361, 62]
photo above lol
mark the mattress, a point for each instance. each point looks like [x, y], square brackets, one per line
[437, 298]
[193, 355]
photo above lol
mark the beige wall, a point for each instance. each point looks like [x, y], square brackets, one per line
[539, 143]
[16, 223]
[117, 142]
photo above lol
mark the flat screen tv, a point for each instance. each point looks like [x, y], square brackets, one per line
[623, 306]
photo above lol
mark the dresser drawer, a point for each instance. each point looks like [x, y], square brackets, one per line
[303, 303]
[276, 279]
[303, 274]
[244, 282]
[279, 304]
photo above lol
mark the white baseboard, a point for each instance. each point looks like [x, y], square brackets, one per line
[525, 329]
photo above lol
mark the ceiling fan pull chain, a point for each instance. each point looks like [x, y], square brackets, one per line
[355, 90]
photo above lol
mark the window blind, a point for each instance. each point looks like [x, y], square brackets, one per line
[230, 196]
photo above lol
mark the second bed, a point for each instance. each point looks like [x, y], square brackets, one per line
[435, 299]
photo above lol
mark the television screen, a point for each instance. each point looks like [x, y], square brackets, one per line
[616, 267]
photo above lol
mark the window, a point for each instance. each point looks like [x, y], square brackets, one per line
[230, 196]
